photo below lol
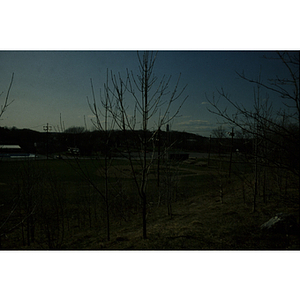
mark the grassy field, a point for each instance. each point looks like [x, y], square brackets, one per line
[59, 204]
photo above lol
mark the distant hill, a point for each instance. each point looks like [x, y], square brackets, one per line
[91, 141]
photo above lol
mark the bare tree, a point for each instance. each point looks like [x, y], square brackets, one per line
[219, 132]
[275, 134]
[99, 109]
[3, 108]
[75, 130]
[101, 123]
[150, 102]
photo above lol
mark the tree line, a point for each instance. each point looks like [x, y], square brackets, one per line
[91, 142]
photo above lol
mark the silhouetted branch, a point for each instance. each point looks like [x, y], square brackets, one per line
[6, 101]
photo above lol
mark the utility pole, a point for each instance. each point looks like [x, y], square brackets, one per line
[47, 128]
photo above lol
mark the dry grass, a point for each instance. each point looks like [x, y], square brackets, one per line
[199, 220]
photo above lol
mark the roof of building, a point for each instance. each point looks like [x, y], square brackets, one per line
[10, 147]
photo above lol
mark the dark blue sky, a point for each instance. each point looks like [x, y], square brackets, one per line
[50, 83]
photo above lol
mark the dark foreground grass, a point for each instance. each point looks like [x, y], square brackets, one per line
[201, 223]
[199, 220]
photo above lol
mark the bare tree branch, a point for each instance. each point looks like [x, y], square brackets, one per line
[6, 101]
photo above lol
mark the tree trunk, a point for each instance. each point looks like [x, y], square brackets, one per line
[144, 200]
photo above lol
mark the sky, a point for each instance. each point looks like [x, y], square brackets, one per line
[50, 84]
